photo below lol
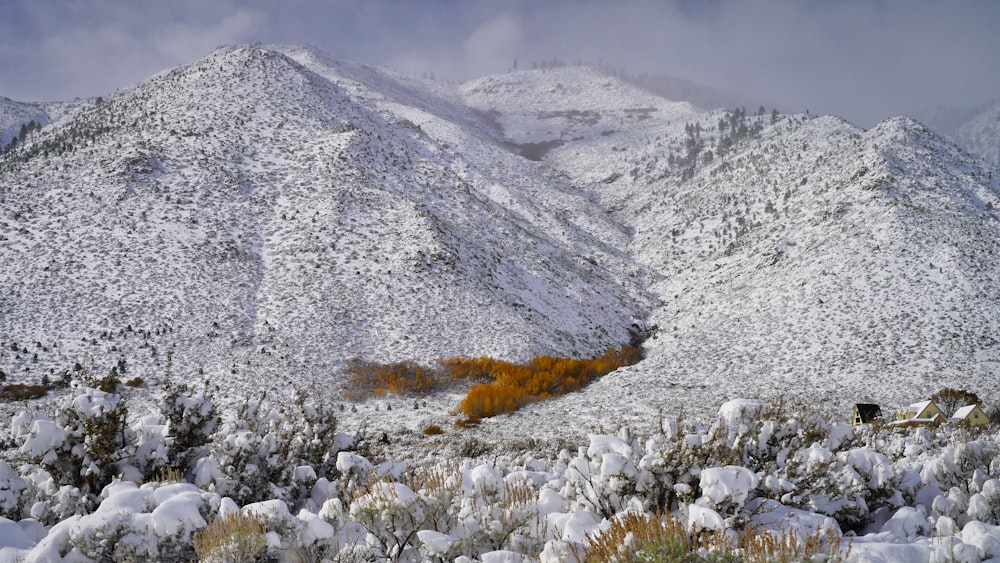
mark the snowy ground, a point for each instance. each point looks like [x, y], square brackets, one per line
[862, 494]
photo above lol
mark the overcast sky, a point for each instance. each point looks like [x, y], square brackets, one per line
[862, 60]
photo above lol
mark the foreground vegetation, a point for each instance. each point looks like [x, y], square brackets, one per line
[762, 482]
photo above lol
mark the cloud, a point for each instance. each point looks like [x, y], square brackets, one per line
[189, 41]
[492, 44]
[862, 59]
[70, 49]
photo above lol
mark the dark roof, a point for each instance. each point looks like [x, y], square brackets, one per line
[868, 411]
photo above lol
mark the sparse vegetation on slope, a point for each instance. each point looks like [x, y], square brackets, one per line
[22, 392]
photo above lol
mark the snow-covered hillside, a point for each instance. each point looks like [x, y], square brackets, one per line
[795, 255]
[980, 134]
[14, 115]
[245, 218]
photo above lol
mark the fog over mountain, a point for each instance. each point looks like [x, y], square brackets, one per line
[863, 61]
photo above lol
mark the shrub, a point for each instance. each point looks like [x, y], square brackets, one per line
[231, 538]
[21, 392]
[108, 384]
[433, 430]
[135, 382]
[82, 446]
[257, 453]
[515, 385]
[191, 421]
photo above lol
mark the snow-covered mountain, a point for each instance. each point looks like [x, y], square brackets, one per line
[976, 130]
[265, 214]
[14, 115]
[800, 256]
[246, 217]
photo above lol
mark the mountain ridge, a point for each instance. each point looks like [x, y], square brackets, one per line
[306, 227]
[275, 212]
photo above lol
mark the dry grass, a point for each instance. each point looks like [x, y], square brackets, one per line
[647, 538]
[168, 475]
[757, 545]
[637, 537]
[231, 538]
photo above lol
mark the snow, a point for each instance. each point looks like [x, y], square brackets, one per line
[502, 556]
[906, 525]
[701, 518]
[348, 462]
[436, 543]
[963, 412]
[13, 536]
[179, 512]
[730, 483]
[573, 526]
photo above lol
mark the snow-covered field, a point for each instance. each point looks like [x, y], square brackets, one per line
[250, 222]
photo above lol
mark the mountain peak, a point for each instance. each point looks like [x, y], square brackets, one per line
[270, 212]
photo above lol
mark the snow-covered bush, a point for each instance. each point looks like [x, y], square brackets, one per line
[392, 513]
[743, 488]
[726, 490]
[762, 435]
[262, 453]
[496, 513]
[132, 523]
[672, 463]
[12, 492]
[83, 445]
[191, 421]
[604, 477]
[984, 506]
[151, 451]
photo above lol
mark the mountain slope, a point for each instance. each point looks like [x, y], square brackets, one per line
[246, 218]
[865, 265]
[813, 259]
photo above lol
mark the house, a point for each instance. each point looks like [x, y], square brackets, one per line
[922, 413]
[970, 414]
[866, 413]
